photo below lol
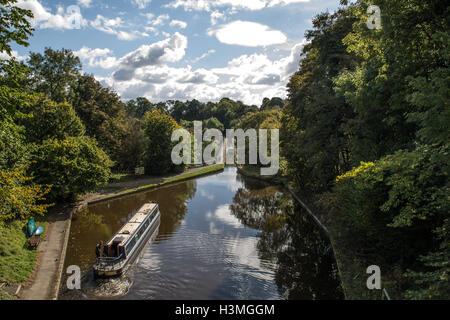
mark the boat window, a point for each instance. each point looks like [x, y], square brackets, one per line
[131, 244]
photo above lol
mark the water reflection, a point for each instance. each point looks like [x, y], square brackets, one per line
[221, 237]
[305, 267]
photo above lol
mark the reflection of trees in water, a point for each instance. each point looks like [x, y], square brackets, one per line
[255, 207]
[173, 204]
[306, 267]
[305, 263]
[251, 183]
[87, 229]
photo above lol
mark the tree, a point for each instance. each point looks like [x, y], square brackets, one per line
[138, 107]
[103, 114]
[14, 107]
[15, 25]
[256, 119]
[72, 166]
[20, 199]
[51, 120]
[131, 154]
[54, 72]
[314, 132]
[395, 206]
[434, 282]
[408, 50]
[274, 103]
[158, 128]
[213, 123]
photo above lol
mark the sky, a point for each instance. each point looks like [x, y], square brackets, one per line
[180, 49]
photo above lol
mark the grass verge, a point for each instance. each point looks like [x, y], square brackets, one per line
[197, 173]
[191, 175]
[17, 261]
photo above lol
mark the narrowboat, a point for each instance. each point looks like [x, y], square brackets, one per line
[114, 258]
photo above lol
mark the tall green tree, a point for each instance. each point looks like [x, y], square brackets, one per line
[158, 128]
[15, 103]
[398, 61]
[51, 120]
[138, 107]
[54, 72]
[103, 114]
[314, 135]
[15, 25]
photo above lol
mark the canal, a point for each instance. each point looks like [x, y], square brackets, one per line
[223, 236]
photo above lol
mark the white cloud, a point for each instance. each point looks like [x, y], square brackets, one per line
[112, 26]
[97, 57]
[14, 54]
[198, 76]
[85, 3]
[160, 20]
[190, 5]
[248, 78]
[208, 5]
[141, 4]
[246, 33]
[107, 25]
[216, 16]
[149, 15]
[168, 50]
[178, 23]
[203, 56]
[123, 35]
[65, 18]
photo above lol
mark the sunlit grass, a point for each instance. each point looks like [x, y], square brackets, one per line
[200, 172]
[196, 173]
[17, 261]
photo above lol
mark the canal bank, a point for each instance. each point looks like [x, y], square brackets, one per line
[144, 184]
[51, 253]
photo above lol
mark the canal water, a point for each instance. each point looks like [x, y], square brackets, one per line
[223, 236]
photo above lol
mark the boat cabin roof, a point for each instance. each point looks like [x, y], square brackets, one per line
[129, 228]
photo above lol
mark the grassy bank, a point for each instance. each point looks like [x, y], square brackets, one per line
[17, 262]
[200, 172]
[183, 176]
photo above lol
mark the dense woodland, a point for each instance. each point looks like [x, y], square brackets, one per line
[365, 129]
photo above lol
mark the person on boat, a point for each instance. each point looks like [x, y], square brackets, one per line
[99, 249]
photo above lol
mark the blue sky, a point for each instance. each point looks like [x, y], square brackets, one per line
[180, 49]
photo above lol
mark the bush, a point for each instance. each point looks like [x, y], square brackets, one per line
[73, 166]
